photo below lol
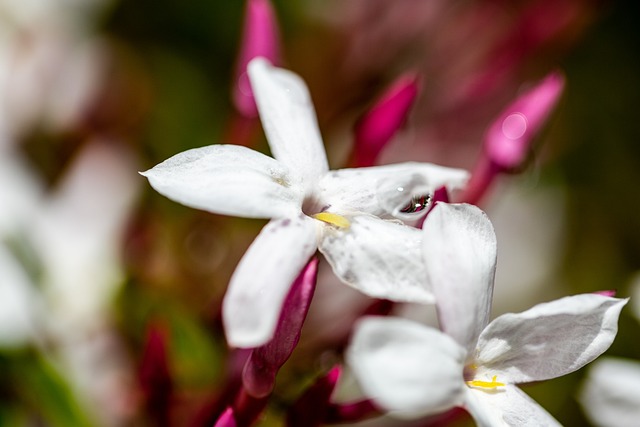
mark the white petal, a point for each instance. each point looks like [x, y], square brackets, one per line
[506, 406]
[460, 256]
[229, 180]
[20, 191]
[550, 339]
[288, 118]
[611, 393]
[406, 368]
[78, 234]
[260, 284]
[384, 190]
[382, 259]
[19, 304]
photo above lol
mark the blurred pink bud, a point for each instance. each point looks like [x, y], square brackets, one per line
[311, 409]
[607, 293]
[155, 376]
[351, 412]
[226, 419]
[260, 371]
[508, 140]
[377, 126]
[259, 38]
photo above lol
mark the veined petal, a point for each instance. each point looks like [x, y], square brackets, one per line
[506, 406]
[288, 118]
[550, 339]
[229, 180]
[460, 256]
[610, 395]
[384, 190]
[382, 259]
[259, 286]
[407, 368]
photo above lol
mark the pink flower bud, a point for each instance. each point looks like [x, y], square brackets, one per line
[226, 419]
[607, 293]
[260, 371]
[508, 140]
[155, 376]
[310, 410]
[260, 38]
[377, 126]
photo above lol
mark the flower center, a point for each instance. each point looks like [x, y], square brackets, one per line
[333, 219]
[485, 384]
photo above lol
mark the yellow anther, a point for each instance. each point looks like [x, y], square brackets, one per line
[333, 219]
[486, 384]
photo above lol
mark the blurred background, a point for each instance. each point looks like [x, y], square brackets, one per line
[110, 294]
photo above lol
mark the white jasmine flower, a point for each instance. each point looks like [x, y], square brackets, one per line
[610, 395]
[77, 235]
[342, 213]
[413, 370]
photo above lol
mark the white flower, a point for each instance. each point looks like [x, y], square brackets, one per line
[338, 212]
[413, 370]
[77, 235]
[611, 393]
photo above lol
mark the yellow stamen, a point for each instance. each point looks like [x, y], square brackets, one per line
[486, 384]
[333, 219]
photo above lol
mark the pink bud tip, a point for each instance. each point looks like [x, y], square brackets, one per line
[377, 126]
[155, 375]
[508, 139]
[606, 293]
[311, 409]
[226, 419]
[260, 38]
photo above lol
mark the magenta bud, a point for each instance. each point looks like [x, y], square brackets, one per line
[155, 376]
[260, 38]
[378, 125]
[258, 377]
[351, 412]
[508, 140]
[227, 419]
[312, 408]
[607, 293]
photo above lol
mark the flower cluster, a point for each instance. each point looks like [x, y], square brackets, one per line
[370, 294]
[366, 222]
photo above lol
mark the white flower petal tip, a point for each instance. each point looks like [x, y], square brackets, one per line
[229, 180]
[610, 395]
[536, 344]
[460, 250]
[407, 368]
[288, 118]
[261, 282]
